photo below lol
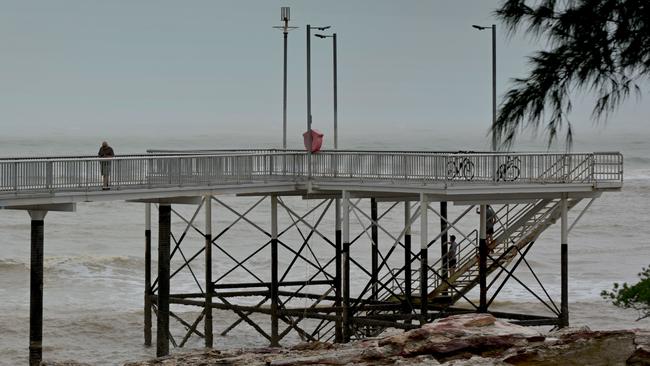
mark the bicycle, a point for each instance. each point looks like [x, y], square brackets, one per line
[509, 171]
[460, 166]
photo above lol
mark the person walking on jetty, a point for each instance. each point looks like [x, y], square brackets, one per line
[452, 254]
[491, 219]
[105, 151]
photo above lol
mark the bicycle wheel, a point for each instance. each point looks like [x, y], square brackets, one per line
[512, 173]
[468, 169]
[452, 171]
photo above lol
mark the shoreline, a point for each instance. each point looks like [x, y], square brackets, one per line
[468, 339]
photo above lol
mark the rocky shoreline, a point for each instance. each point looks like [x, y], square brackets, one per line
[469, 339]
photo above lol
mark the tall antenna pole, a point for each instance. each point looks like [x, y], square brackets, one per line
[285, 16]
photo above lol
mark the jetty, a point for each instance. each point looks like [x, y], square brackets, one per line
[352, 197]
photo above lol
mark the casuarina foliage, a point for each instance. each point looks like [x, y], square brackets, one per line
[601, 47]
[635, 296]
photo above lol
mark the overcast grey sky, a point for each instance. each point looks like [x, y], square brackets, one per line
[93, 67]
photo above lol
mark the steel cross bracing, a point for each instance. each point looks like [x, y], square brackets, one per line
[518, 228]
[230, 283]
[379, 301]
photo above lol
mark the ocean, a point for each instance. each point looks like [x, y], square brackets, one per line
[94, 258]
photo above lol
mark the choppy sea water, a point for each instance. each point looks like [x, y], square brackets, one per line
[94, 259]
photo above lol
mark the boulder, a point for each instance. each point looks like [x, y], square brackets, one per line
[459, 340]
[473, 333]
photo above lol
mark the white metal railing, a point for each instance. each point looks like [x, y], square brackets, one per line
[153, 171]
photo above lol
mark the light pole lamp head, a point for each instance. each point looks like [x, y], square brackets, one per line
[285, 14]
[323, 36]
[479, 27]
[323, 28]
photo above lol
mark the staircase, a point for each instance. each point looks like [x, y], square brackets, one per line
[517, 226]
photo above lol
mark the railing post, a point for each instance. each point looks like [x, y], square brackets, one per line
[148, 171]
[15, 165]
[118, 173]
[48, 175]
[180, 173]
[445, 168]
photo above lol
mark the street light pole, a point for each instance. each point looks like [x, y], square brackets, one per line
[494, 86]
[493, 27]
[334, 74]
[309, 140]
[336, 131]
[309, 134]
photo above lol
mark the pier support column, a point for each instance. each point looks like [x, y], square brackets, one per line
[275, 339]
[564, 258]
[374, 253]
[482, 260]
[147, 274]
[424, 259]
[345, 264]
[164, 245]
[338, 329]
[408, 299]
[209, 287]
[443, 241]
[36, 288]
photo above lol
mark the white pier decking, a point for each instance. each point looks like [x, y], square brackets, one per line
[42, 180]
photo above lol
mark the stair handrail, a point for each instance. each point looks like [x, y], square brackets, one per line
[472, 261]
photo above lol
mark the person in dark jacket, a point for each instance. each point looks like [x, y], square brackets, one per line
[105, 151]
[491, 219]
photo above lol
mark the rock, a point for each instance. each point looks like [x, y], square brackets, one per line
[339, 357]
[558, 333]
[476, 361]
[581, 348]
[390, 332]
[479, 321]
[311, 346]
[474, 333]
[641, 354]
[640, 357]
[423, 360]
[459, 340]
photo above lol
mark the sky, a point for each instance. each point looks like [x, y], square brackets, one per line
[206, 68]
